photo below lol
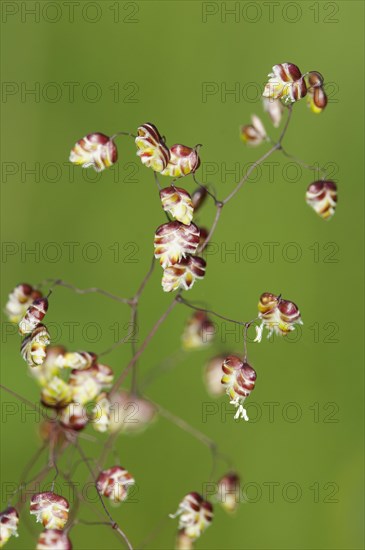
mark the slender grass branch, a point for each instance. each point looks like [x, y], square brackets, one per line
[113, 523]
[145, 343]
[91, 290]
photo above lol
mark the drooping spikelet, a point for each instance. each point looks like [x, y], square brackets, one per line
[74, 417]
[178, 203]
[229, 493]
[94, 150]
[183, 161]
[80, 360]
[174, 240]
[21, 297]
[151, 148]
[53, 539]
[239, 378]
[183, 274]
[277, 315]
[195, 515]
[33, 316]
[317, 97]
[34, 346]
[9, 520]
[254, 133]
[129, 413]
[286, 82]
[50, 509]
[322, 197]
[56, 393]
[114, 483]
[198, 332]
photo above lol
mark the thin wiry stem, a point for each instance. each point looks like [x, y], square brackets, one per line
[171, 361]
[210, 193]
[114, 346]
[304, 164]
[52, 461]
[134, 317]
[27, 468]
[157, 181]
[107, 448]
[245, 342]
[159, 369]
[286, 125]
[37, 478]
[113, 523]
[156, 531]
[77, 463]
[80, 498]
[40, 476]
[182, 300]
[123, 134]
[145, 343]
[145, 280]
[34, 407]
[76, 502]
[60, 282]
[200, 436]
[134, 303]
[249, 171]
[219, 206]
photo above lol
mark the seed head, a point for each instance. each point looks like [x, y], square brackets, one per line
[74, 417]
[151, 148]
[195, 515]
[130, 413]
[229, 491]
[317, 97]
[114, 483]
[239, 378]
[80, 360]
[9, 520]
[34, 346]
[199, 331]
[94, 150]
[183, 541]
[101, 413]
[33, 316]
[56, 393]
[278, 315]
[53, 539]
[322, 197]
[178, 203]
[19, 300]
[198, 197]
[286, 82]
[183, 161]
[50, 509]
[255, 133]
[45, 372]
[174, 240]
[183, 274]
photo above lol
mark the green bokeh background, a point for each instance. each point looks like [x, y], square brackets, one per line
[168, 53]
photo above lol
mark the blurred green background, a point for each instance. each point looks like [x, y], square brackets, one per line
[132, 62]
